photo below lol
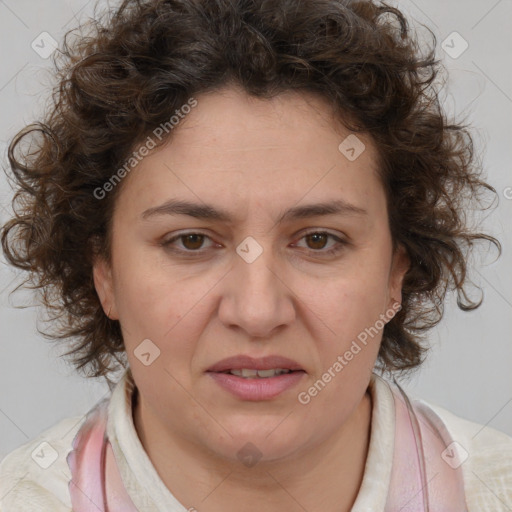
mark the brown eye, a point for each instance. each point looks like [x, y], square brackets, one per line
[318, 240]
[186, 243]
[193, 241]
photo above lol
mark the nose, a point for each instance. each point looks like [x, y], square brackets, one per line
[256, 297]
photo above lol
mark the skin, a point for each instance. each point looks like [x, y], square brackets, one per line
[254, 158]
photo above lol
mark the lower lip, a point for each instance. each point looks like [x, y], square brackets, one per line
[257, 389]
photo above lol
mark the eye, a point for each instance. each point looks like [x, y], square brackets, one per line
[191, 242]
[317, 240]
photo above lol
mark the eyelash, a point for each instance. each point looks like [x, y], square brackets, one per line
[329, 252]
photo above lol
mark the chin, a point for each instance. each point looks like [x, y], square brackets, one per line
[260, 441]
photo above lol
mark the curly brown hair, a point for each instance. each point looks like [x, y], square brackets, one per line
[134, 67]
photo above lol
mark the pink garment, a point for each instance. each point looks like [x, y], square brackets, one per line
[421, 480]
[95, 483]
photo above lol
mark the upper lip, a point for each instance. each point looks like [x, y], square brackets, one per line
[263, 363]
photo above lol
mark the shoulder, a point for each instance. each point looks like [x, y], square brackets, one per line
[35, 476]
[485, 456]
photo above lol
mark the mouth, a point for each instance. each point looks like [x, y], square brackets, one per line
[256, 379]
[250, 367]
[248, 373]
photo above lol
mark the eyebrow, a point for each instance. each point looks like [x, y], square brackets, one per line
[209, 212]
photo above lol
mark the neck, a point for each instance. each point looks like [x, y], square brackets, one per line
[305, 481]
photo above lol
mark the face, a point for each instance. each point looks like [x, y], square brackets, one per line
[217, 252]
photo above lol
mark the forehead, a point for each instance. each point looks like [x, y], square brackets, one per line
[273, 152]
[233, 119]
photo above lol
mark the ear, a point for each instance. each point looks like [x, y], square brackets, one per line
[399, 267]
[103, 282]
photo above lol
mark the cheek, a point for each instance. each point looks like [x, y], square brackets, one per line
[159, 303]
[354, 299]
[347, 338]
[145, 298]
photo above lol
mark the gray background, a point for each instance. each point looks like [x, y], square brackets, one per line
[469, 368]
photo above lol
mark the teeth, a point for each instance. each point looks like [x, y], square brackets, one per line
[245, 373]
[252, 374]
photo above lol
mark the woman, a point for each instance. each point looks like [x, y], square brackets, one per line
[254, 207]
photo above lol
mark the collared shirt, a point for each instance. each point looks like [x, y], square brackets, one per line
[35, 476]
